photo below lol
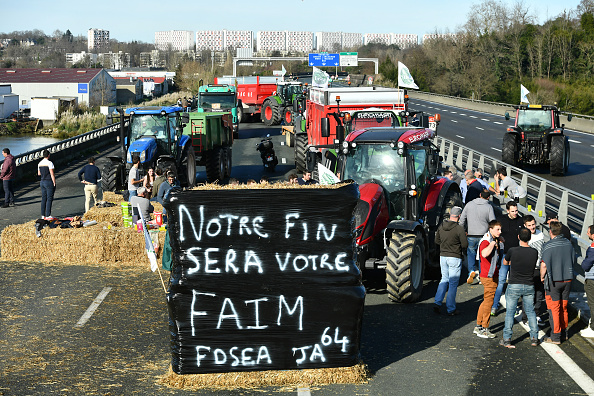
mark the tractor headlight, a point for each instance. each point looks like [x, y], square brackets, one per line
[345, 144]
[400, 145]
[143, 156]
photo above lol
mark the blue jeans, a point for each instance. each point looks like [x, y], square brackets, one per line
[133, 193]
[450, 276]
[8, 192]
[473, 244]
[503, 270]
[512, 295]
[47, 197]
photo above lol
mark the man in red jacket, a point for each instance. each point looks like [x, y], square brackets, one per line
[7, 175]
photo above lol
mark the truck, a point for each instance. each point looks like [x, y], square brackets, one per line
[219, 97]
[279, 107]
[403, 200]
[252, 91]
[211, 136]
[325, 101]
[537, 138]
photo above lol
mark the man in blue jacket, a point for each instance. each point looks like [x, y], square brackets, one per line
[91, 179]
[588, 266]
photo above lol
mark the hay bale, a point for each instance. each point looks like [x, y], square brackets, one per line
[358, 374]
[112, 214]
[96, 245]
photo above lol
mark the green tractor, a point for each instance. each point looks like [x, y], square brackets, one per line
[278, 108]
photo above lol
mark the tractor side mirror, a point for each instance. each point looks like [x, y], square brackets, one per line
[325, 127]
[295, 106]
[185, 118]
[506, 116]
[569, 117]
[340, 133]
[433, 164]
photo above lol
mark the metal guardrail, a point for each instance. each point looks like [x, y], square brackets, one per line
[574, 209]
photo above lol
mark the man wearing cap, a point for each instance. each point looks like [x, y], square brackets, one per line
[141, 201]
[565, 231]
[451, 238]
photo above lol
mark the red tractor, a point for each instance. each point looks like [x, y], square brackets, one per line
[402, 202]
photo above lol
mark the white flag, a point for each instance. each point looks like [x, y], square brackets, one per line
[523, 94]
[284, 70]
[404, 78]
[319, 78]
[326, 176]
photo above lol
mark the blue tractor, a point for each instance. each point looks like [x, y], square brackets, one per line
[155, 135]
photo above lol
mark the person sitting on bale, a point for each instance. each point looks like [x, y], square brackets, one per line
[141, 200]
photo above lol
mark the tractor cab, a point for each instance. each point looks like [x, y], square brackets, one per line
[287, 90]
[152, 133]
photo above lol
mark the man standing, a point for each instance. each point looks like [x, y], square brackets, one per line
[588, 266]
[490, 253]
[452, 242]
[478, 213]
[92, 175]
[520, 260]
[161, 177]
[141, 200]
[7, 175]
[556, 272]
[565, 231]
[45, 169]
[511, 224]
[306, 179]
[536, 242]
[134, 178]
[473, 188]
[504, 182]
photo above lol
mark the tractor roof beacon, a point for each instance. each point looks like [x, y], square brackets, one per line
[537, 138]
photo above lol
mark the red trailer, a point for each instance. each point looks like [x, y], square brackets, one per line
[327, 102]
[251, 91]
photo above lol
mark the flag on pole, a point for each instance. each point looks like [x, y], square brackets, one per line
[148, 242]
[326, 176]
[319, 78]
[284, 70]
[524, 94]
[404, 78]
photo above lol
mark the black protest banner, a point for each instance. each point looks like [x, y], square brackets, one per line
[263, 279]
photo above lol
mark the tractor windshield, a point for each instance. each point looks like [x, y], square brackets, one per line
[287, 91]
[152, 125]
[534, 120]
[376, 163]
[214, 101]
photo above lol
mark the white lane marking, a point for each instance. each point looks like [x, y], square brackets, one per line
[484, 119]
[496, 149]
[461, 137]
[463, 115]
[435, 108]
[283, 161]
[497, 122]
[453, 112]
[482, 129]
[429, 107]
[574, 141]
[93, 307]
[282, 143]
[471, 116]
[560, 357]
[303, 391]
[454, 121]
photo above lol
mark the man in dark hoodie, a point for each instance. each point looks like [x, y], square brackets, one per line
[451, 238]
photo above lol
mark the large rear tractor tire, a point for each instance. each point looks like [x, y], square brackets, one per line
[559, 155]
[287, 115]
[111, 175]
[228, 154]
[189, 168]
[509, 149]
[240, 118]
[301, 152]
[215, 165]
[270, 112]
[405, 266]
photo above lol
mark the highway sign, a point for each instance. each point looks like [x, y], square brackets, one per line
[324, 59]
[349, 59]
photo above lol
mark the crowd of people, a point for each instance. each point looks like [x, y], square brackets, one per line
[508, 256]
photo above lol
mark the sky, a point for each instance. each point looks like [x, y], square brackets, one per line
[139, 20]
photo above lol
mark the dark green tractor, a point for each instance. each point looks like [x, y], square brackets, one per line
[278, 107]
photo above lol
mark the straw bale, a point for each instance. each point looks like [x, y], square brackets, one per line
[95, 245]
[112, 214]
[357, 374]
[267, 186]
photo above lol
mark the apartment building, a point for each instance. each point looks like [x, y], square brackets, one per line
[301, 42]
[405, 40]
[328, 41]
[177, 40]
[97, 39]
[351, 40]
[213, 40]
[271, 40]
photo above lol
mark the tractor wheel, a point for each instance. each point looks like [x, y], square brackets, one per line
[301, 152]
[270, 112]
[215, 165]
[189, 168]
[228, 161]
[509, 151]
[559, 155]
[109, 179]
[405, 266]
[287, 115]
